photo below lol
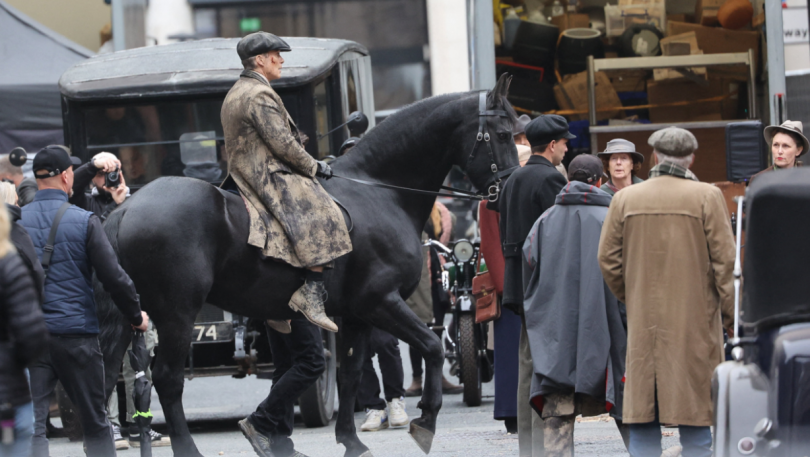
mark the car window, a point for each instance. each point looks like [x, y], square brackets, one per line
[163, 139]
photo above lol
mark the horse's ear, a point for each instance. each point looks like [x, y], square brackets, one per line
[500, 91]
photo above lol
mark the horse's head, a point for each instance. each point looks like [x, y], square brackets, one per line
[488, 151]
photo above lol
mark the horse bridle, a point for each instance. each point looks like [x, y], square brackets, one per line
[493, 184]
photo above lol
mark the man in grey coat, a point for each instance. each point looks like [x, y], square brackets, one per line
[573, 320]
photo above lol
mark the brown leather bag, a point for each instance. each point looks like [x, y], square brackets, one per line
[487, 305]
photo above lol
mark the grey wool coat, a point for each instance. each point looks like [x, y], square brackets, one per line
[574, 322]
[292, 218]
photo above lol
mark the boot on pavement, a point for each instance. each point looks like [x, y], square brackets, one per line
[309, 299]
[450, 388]
[416, 387]
[260, 442]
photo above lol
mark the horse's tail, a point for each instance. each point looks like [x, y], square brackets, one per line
[113, 326]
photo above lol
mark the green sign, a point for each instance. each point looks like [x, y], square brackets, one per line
[250, 24]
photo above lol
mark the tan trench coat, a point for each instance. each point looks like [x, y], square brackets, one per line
[292, 218]
[667, 251]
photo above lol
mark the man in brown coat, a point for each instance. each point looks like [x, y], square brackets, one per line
[667, 251]
[292, 218]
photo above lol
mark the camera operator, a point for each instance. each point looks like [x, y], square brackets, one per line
[105, 195]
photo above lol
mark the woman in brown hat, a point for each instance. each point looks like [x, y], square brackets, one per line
[621, 163]
[787, 144]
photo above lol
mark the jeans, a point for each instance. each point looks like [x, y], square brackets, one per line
[23, 431]
[386, 346]
[299, 362]
[645, 439]
[78, 364]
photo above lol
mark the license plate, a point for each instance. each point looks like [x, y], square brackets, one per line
[212, 332]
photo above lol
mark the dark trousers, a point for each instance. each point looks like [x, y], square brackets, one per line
[298, 360]
[645, 439]
[78, 364]
[386, 346]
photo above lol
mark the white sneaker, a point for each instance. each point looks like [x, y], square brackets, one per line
[120, 442]
[396, 412]
[376, 419]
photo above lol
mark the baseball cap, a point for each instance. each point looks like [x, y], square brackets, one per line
[54, 159]
[547, 128]
[585, 168]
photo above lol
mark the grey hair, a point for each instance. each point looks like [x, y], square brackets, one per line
[249, 63]
[6, 168]
[684, 162]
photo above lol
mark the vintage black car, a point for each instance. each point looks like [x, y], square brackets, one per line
[762, 398]
[158, 109]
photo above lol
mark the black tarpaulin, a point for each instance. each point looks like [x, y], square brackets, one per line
[32, 58]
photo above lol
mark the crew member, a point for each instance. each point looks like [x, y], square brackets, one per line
[292, 218]
[73, 356]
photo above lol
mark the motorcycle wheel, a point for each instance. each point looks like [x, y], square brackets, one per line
[470, 363]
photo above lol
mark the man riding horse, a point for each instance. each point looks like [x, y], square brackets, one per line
[292, 218]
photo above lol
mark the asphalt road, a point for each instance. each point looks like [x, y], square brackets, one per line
[214, 405]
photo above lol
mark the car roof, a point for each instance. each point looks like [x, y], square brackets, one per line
[199, 67]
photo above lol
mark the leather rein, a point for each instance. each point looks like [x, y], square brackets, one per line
[493, 185]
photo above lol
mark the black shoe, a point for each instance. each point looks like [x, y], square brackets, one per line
[261, 443]
[511, 425]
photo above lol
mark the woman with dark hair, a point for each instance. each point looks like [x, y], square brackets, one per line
[787, 144]
[621, 163]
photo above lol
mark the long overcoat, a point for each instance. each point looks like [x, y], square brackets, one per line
[292, 218]
[667, 252]
[526, 195]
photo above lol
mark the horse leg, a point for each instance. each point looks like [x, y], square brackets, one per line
[395, 317]
[175, 337]
[354, 335]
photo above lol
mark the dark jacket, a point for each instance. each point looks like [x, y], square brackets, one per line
[23, 335]
[26, 191]
[25, 248]
[99, 203]
[611, 190]
[770, 169]
[573, 320]
[81, 246]
[528, 193]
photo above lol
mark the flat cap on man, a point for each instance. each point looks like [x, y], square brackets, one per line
[673, 141]
[259, 43]
[547, 128]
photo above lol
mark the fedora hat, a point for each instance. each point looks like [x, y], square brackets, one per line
[787, 126]
[621, 146]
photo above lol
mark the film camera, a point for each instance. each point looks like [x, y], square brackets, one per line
[112, 179]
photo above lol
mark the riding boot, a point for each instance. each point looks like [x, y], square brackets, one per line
[309, 299]
[416, 387]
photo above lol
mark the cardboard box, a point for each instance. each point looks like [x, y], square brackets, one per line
[572, 94]
[716, 40]
[571, 21]
[628, 80]
[664, 92]
[681, 17]
[679, 45]
[706, 11]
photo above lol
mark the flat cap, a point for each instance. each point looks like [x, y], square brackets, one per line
[673, 141]
[259, 43]
[585, 168]
[547, 128]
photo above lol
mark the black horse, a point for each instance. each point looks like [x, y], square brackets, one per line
[184, 242]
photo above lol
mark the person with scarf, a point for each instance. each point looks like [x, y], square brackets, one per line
[621, 163]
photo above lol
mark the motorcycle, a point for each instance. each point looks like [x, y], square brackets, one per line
[467, 351]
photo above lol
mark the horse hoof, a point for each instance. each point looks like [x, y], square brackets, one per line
[422, 436]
